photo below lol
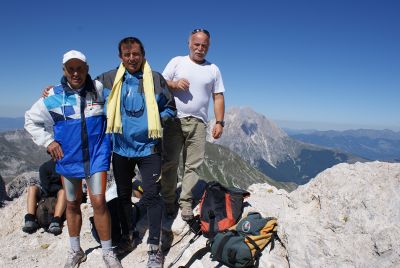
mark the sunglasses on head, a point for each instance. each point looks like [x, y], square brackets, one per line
[202, 31]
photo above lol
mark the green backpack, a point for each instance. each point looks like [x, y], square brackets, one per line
[242, 244]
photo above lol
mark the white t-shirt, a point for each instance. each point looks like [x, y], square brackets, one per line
[204, 79]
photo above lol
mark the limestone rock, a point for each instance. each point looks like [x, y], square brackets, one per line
[347, 216]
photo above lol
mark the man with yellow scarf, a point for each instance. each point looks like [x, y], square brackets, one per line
[139, 102]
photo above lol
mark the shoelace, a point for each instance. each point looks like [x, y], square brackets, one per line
[71, 256]
[155, 256]
[110, 254]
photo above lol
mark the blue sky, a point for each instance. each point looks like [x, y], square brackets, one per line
[329, 64]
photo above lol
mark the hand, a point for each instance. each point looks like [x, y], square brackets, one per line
[182, 84]
[55, 150]
[45, 92]
[217, 131]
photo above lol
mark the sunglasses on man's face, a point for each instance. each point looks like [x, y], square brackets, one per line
[202, 31]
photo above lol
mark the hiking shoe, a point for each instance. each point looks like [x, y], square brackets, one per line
[187, 213]
[74, 259]
[31, 224]
[111, 260]
[156, 259]
[55, 227]
[126, 244]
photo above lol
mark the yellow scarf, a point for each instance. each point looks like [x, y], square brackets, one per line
[114, 123]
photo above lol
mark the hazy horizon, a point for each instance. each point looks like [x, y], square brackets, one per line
[288, 124]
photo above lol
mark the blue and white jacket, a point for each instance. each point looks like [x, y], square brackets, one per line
[134, 140]
[78, 122]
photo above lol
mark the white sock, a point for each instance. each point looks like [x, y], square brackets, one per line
[106, 245]
[75, 243]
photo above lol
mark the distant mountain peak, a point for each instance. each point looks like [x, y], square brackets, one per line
[250, 130]
[252, 123]
[263, 144]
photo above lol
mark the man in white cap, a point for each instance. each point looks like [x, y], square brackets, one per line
[80, 147]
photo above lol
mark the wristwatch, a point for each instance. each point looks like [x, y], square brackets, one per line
[222, 123]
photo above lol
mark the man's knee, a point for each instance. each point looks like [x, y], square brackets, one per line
[124, 197]
[150, 202]
[61, 201]
[194, 164]
[168, 164]
[151, 197]
[34, 189]
[99, 204]
[74, 206]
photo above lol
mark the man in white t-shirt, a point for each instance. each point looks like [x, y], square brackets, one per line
[193, 81]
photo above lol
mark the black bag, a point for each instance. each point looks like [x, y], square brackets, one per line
[112, 206]
[220, 208]
[45, 211]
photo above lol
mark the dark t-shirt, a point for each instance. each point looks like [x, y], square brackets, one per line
[50, 181]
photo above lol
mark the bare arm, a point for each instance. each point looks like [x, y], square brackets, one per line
[219, 112]
[181, 84]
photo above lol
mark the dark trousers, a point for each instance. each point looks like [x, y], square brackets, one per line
[150, 202]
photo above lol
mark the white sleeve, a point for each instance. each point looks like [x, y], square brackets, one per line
[37, 122]
[169, 71]
[99, 89]
[218, 83]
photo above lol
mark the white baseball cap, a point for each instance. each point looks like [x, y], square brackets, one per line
[73, 54]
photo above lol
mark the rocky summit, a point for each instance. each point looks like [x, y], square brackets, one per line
[347, 216]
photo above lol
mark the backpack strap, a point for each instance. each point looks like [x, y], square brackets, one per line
[194, 238]
[197, 256]
[258, 253]
[273, 238]
[211, 228]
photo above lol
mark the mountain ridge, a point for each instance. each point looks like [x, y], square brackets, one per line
[381, 145]
[20, 154]
[264, 145]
